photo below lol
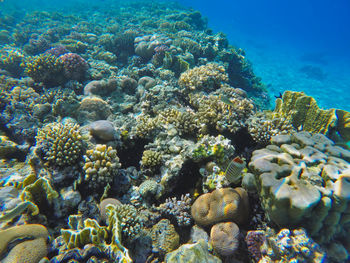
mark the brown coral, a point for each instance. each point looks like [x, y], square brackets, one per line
[221, 205]
[225, 238]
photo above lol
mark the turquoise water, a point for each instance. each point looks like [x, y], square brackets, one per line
[282, 38]
[144, 131]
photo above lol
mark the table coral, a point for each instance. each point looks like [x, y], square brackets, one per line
[302, 181]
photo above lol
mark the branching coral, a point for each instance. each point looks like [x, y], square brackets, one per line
[101, 165]
[151, 159]
[207, 77]
[60, 144]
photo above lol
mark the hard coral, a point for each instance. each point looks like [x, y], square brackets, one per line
[151, 159]
[74, 66]
[164, 237]
[221, 205]
[60, 144]
[45, 68]
[101, 165]
[207, 77]
[301, 181]
[225, 238]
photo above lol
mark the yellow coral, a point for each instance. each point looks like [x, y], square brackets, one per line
[61, 144]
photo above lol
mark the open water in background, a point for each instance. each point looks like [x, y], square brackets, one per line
[300, 45]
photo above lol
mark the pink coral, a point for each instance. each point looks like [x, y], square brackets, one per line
[74, 66]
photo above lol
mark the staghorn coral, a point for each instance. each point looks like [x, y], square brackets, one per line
[164, 237]
[60, 144]
[302, 181]
[207, 77]
[101, 165]
[221, 205]
[178, 209]
[45, 68]
[151, 159]
[30, 243]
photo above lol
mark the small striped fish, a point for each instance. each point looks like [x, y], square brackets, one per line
[234, 170]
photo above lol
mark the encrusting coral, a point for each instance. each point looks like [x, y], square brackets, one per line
[60, 144]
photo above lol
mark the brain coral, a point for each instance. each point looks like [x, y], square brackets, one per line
[221, 205]
[60, 144]
[225, 238]
[303, 180]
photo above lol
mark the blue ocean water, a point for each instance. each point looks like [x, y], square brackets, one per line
[293, 45]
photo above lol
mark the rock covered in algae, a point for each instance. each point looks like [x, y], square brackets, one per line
[225, 204]
[194, 253]
[30, 242]
[302, 180]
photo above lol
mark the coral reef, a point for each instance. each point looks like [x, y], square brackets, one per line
[221, 205]
[301, 182]
[101, 165]
[224, 238]
[164, 237]
[60, 144]
[178, 209]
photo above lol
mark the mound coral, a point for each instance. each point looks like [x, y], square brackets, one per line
[302, 181]
[195, 253]
[207, 77]
[101, 165]
[221, 205]
[60, 144]
[225, 238]
[74, 66]
[31, 244]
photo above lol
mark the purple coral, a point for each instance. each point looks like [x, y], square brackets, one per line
[255, 239]
[57, 51]
[74, 66]
[179, 209]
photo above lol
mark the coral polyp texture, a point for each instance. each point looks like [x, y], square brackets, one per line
[60, 144]
[207, 77]
[100, 166]
[302, 181]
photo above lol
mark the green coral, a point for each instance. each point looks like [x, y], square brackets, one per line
[164, 237]
[45, 68]
[39, 194]
[130, 223]
[60, 144]
[101, 165]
